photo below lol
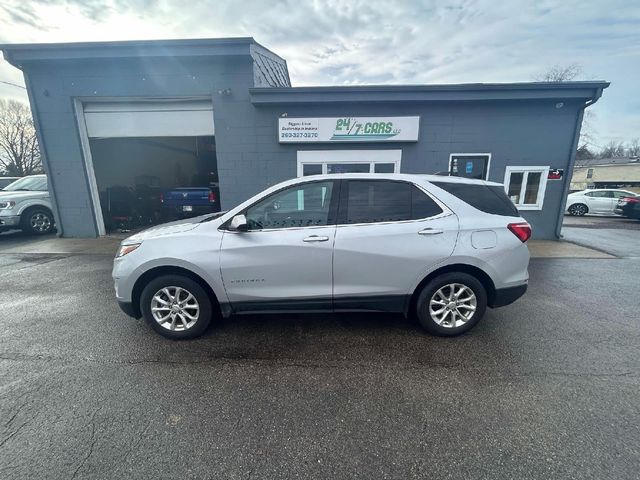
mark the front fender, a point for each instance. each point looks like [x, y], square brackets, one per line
[36, 202]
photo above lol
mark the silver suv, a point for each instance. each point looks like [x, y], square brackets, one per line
[442, 248]
[25, 204]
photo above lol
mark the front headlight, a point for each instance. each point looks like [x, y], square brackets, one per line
[7, 205]
[125, 249]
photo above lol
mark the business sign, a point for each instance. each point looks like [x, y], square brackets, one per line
[555, 174]
[348, 129]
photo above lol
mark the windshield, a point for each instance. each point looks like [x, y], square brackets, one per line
[35, 184]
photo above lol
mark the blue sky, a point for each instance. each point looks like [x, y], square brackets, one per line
[391, 42]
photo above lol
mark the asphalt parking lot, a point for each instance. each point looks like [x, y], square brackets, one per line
[611, 234]
[545, 388]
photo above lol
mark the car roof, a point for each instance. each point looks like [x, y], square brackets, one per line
[416, 178]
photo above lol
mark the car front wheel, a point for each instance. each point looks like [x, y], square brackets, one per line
[37, 221]
[451, 304]
[578, 209]
[176, 307]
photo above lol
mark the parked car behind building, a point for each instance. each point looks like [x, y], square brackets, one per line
[602, 201]
[25, 205]
[629, 207]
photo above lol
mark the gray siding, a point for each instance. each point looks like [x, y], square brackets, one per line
[515, 133]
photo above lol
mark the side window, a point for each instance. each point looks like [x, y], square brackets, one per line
[619, 194]
[305, 205]
[598, 194]
[422, 205]
[372, 201]
[378, 201]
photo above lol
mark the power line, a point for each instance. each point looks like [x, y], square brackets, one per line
[13, 84]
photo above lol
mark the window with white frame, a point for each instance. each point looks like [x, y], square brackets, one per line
[525, 186]
[322, 162]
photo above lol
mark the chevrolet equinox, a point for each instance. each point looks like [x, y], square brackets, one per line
[440, 248]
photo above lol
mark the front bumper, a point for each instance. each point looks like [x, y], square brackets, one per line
[505, 296]
[9, 220]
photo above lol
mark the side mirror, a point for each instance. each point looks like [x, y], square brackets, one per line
[239, 224]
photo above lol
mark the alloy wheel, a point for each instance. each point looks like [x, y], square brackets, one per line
[452, 305]
[578, 210]
[40, 222]
[175, 308]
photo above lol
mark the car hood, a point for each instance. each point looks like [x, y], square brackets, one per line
[21, 195]
[171, 228]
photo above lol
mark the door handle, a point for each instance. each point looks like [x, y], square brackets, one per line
[315, 238]
[430, 231]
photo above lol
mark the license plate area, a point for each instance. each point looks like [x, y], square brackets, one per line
[187, 208]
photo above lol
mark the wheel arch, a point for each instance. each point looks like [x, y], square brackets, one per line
[33, 206]
[482, 276]
[155, 272]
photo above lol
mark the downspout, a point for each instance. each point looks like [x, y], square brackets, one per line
[572, 159]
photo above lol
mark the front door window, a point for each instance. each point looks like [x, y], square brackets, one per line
[304, 205]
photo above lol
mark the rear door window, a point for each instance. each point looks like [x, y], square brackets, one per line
[373, 201]
[486, 198]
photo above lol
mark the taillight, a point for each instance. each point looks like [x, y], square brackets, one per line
[520, 230]
[632, 199]
[161, 197]
[212, 197]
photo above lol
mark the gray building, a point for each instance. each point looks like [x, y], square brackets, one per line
[159, 114]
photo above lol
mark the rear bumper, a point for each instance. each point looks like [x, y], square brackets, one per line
[196, 210]
[129, 309]
[505, 296]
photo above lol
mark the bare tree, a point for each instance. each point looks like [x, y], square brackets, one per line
[612, 150]
[633, 150]
[19, 151]
[559, 73]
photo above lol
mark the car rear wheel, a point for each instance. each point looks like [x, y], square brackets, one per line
[176, 307]
[578, 209]
[37, 221]
[451, 304]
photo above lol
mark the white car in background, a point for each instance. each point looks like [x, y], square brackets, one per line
[595, 200]
[25, 205]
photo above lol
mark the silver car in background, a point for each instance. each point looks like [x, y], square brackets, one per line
[439, 248]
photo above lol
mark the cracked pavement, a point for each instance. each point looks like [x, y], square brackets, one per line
[545, 388]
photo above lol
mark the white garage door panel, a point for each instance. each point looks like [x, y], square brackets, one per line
[149, 119]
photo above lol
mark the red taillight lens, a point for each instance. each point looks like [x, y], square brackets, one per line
[212, 197]
[520, 230]
[632, 199]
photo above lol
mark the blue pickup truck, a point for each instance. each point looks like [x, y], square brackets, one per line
[186, 202]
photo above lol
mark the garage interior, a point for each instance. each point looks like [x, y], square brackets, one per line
[149, 158]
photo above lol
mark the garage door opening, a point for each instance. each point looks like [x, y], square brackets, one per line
[153, 161]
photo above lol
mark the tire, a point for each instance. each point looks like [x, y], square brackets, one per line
[438, 290]
[578, 209]
[177, 325]
[37, 221]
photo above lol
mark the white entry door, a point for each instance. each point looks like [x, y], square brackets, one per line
[322, 162]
